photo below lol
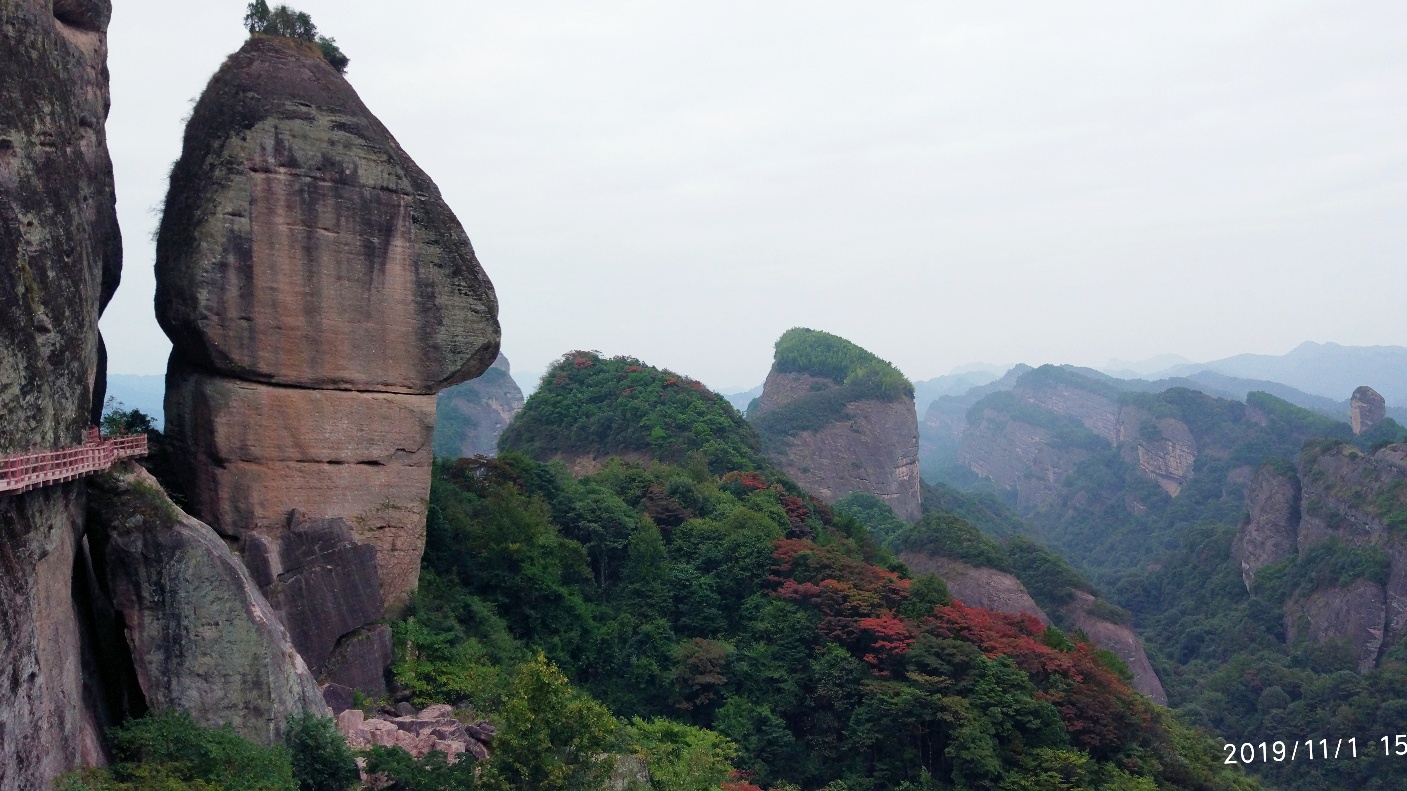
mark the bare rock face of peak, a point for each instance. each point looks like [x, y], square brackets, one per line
[871, 445]
[1366, 409]
[318, 293]
[60, 261]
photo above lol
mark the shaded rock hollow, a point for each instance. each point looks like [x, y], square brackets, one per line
[318, 292]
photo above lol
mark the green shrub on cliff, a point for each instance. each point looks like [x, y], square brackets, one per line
[802, 350]
[281, 20]
[593, 405]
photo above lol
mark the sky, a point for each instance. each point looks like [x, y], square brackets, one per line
[942, 183]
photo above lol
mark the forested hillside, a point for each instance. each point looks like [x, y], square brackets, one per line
[1256, 545]
[700, 587]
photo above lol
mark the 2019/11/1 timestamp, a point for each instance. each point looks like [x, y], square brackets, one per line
[1315, 750]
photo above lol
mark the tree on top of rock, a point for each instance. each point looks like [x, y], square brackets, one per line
[281, 20]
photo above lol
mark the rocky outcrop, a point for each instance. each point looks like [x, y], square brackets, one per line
[318, 293]
[60, 260]
[1163, 449]
[1082, 614]
[470, 417]
[1366, 409]
[872, 447]
[433, 730]
[1355, 614]
[201, 635]
[1271, 530]
[975, 586]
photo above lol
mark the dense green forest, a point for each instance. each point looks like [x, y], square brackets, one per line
[597, 406]
[1219, 649]
[755, 618]
[807, 351]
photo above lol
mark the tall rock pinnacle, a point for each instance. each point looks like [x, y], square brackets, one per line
[318, 293]
[1366, 409]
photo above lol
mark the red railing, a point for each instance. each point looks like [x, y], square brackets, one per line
[25, 471]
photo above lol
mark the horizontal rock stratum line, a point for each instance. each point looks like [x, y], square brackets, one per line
[25, 471]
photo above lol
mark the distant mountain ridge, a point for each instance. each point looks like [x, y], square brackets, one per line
[1329, 370]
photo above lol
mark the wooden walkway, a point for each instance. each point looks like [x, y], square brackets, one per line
[25, 471]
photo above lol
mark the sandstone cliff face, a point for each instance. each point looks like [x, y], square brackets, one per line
[1018, 456]
[470, 417]
[874, 450]
[1164, 449]
[1355, 614]
[1021, 456]
[987, 588]
[1269, 534]
[1366, 409]
[202, 637]
[60, 260]
[318, 292]
[1362, 500]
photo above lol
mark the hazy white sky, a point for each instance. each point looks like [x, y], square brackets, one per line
[940, 182]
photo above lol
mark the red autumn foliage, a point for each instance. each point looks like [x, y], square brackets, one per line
[749, 480]
[634, 369]
[1096, 706]
[583, 362]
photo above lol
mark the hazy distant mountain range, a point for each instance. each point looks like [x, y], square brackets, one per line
[1322, 369]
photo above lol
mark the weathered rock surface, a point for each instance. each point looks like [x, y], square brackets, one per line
[873, 450]
[319, 579]
[470, 417]
[1119, 639]
[254, 453]
[1270, 533]
[302, 246]
[1366, 409]
[202, 637]
[318, 293]
[60, 261]
[1356, 614]
[987, 588]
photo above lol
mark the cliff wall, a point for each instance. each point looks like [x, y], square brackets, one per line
[872, 446]
[60, 261]
[318, 293]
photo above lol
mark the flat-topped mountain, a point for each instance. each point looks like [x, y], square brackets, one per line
[838, 419]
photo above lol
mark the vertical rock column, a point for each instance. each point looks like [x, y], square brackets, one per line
[318, 292]
[60, 258]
